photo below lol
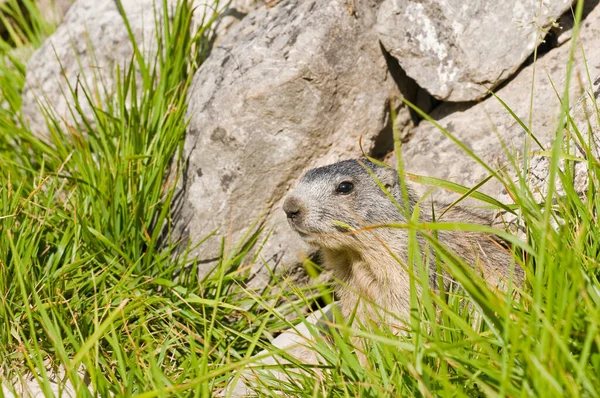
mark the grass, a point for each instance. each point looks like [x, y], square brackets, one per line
[90, 277]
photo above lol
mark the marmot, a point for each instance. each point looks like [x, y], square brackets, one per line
[330, 206]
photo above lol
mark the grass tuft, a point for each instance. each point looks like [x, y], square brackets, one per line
[94, 288]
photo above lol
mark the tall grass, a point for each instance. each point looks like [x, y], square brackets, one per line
[541, 339]
[91, 283]
[89, 277]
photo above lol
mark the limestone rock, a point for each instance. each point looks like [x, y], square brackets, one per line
[293, 87]
[232, 14]
[563, 30]
[583, 112]
[482, 126]
[296, 342]
[54, 10]
[85, 50]
[60, 385]
[458, 49]
[66, 57]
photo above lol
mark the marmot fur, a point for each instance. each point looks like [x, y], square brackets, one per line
[330, 207]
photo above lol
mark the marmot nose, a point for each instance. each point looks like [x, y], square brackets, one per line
[292, 208]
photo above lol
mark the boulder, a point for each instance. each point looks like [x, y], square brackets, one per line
[233, 13]
[54, 10]
[28, 385]
[87, 47]
[459, 49]
[293, 86]
[481, 127]
[585, 115]
[563, 30]
[299, 342]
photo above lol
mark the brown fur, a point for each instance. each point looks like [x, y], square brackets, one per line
[371, 262]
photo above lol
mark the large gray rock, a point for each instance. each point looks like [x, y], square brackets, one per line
[563, 29]
[294, 86]
[481, 126]
[51, 11]
[86, 48]
[28, 385]
[67, 58]
[300, 342]
[458, 49]
[233, 12]
[54, 10]
[585, 116]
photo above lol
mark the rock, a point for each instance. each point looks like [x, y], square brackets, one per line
[51, 10]
[293, 87]
[457, 50]
[54, 10]
[539, 164]
[232, 14]
[6, 392]
[564, 27]
[66, 56]
[537, 176]
[480, 127]
[27, 386]
[296, 342]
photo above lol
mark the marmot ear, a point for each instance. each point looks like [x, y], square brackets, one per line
[388, 177]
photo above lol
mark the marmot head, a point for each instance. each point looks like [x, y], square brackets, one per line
[331, 201]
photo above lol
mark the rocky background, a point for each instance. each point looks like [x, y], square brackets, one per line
[294, 84]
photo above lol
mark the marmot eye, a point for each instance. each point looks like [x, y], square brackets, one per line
[345, 188]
